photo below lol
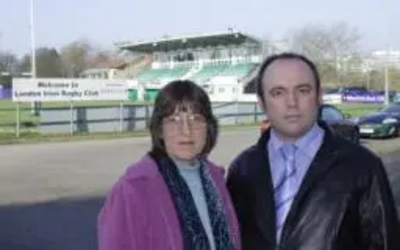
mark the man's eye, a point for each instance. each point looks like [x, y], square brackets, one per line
[305, 90]
[277, 93]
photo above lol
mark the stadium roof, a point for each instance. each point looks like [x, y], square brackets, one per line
[194, 41]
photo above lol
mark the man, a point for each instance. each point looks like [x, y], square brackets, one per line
[302, 187]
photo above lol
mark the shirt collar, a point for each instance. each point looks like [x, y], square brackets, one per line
[303, 142]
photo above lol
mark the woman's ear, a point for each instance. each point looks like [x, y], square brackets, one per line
[160, 135]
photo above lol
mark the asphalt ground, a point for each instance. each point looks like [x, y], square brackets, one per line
[50, 193]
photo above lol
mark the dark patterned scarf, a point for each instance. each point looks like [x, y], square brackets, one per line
[193, 232]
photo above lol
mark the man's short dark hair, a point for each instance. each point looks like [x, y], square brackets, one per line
[171, 96]
[285, 56]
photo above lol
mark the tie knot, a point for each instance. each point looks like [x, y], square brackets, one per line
[288, 151]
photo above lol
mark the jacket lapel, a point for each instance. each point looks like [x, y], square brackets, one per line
[264, 207]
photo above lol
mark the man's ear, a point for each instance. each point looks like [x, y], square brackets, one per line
[261, 103]
[320, 96]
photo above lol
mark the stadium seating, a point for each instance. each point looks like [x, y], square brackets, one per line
[224, 69]
[163, 73]
[200, 76]
[208, 71]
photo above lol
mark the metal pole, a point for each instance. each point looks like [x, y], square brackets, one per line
[387, 78]
[32, 29]
[237, 105]
[71, 118]
[387, 61]
[33, 50]
[121, 116]
[17, 120]
[386, 86]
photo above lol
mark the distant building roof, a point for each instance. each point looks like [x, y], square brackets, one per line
[193, 41]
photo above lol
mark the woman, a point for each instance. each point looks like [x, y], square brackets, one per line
[174, 197]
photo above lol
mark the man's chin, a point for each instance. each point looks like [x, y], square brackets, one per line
[294, 131]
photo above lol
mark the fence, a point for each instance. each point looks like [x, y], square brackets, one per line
[108, 118]
[17, 119]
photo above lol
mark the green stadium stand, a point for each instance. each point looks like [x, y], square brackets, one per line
[208, 71]
[228, 53]
[164, 73]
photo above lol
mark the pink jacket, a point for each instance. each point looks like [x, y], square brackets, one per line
[139, 213]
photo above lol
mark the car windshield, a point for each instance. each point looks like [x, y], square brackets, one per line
[331, 114]
[394, 108]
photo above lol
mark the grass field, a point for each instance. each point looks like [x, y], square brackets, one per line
[28, 121]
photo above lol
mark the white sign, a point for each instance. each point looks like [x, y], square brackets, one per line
[65, 89]
[332, 98]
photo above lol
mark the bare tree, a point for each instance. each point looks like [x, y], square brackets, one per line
[8, 62]
[310, 40]
[48, 63]
[105, 59]
[75, 58]
[327, 44]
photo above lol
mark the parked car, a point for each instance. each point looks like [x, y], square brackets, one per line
[396, 97]
[339, 122]
[384, 123]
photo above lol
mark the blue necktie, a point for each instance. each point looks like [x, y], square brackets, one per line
[285, 186]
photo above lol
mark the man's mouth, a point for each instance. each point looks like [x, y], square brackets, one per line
[186, 143]
[292, 117]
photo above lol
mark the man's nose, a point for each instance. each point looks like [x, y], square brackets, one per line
[292, 99]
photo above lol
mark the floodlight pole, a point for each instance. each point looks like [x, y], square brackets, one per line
[32, 30]
[34, 105]
[387, 77]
